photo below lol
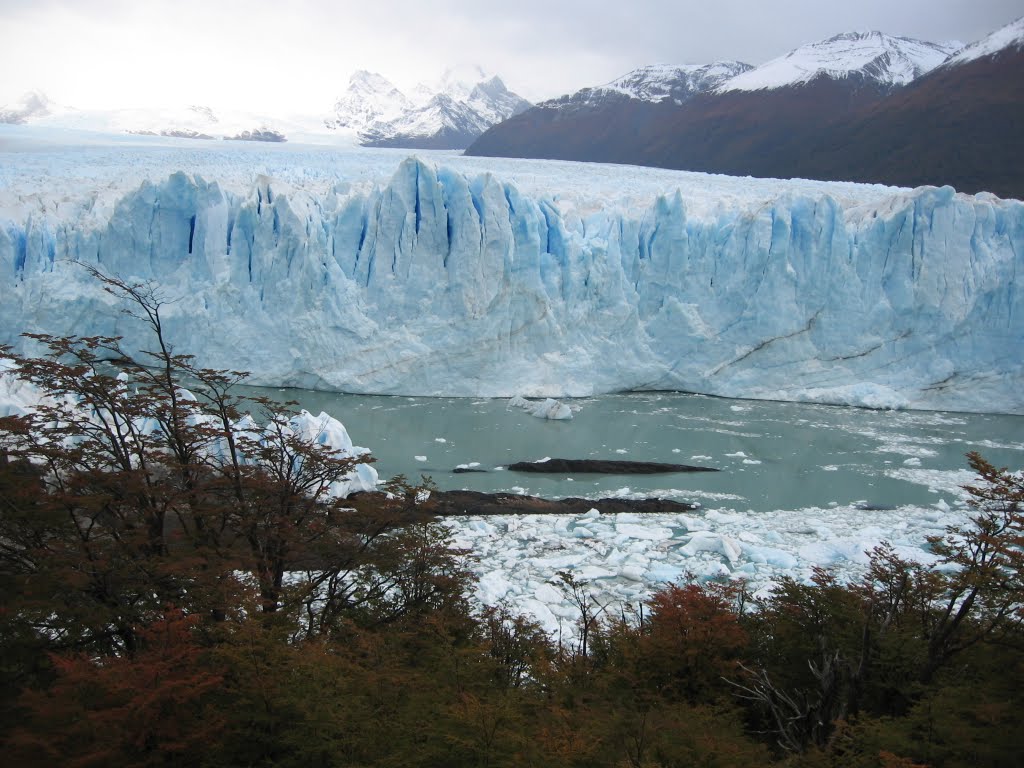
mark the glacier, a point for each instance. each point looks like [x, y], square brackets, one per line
[449, 279]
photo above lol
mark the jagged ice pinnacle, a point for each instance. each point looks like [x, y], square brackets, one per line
[441, 284]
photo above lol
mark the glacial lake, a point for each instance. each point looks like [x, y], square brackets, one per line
[772, 455]
[801, 486]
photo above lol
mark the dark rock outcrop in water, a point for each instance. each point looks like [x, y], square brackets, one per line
[604, 467]
[449, 503]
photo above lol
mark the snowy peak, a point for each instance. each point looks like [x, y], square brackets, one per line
[654, 83]
[460, 106]
[459, 82]
[495, 102]
[1008, 38]
[887, 60]
[658, 82]
[370, 98]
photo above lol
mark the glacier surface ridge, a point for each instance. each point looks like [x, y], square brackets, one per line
[442, 283]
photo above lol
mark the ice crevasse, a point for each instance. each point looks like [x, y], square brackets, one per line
[437, 283]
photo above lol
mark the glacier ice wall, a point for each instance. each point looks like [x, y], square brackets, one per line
[440, 284]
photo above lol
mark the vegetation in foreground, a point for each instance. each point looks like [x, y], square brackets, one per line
[176, 591]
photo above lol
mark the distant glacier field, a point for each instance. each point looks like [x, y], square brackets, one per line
[375, 272]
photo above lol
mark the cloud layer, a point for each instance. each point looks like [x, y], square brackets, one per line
[266, 55]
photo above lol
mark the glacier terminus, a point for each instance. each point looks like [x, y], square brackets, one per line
[444, 275]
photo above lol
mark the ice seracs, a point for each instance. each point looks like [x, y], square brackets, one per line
[443, 281]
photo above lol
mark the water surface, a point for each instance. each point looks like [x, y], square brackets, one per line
[771, 455]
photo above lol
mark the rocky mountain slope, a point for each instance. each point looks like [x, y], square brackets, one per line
[858, 106]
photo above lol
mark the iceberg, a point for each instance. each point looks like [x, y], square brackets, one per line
[549, 408]
[19, 397]
[442, 282]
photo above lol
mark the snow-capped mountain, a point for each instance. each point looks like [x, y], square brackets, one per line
[853, 107]
[446, 115]
[659, 82]
[370, 98]
[883, 59]
[1008, 39]
[654, 83]
[600, 123]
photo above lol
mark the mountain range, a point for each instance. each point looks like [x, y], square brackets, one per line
[858, 106]
[447, 115]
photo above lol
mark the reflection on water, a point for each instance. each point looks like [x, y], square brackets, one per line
[772, 455]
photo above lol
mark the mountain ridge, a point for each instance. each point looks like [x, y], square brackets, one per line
[447, 115]
[857, 119]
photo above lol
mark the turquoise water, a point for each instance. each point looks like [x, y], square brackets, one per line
[772, 455]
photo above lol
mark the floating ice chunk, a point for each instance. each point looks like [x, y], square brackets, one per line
[936, 480]
[552, 409]
[547, 409]
[713, 542]
[548, 593]
[322, 430]
[664, 572]
[365, 479]
[688, 523]
[591, 572]
[494, 586]
[420, 458]
[827, 553]
[632, 572]
[440, 440]
[647, 532]
[770, 555]
[864, 395]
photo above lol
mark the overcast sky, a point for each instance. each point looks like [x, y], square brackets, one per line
[275, 56]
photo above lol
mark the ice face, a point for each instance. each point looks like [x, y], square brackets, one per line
[440, 282]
